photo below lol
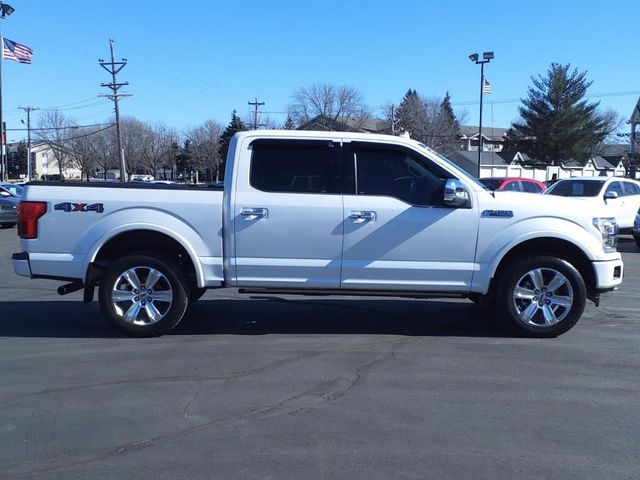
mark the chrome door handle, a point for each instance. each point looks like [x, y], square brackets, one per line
[254, 213]
[361, 217]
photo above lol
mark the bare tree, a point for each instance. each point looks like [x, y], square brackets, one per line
[611, 122]
[343, 104]
[84, 150]
[105, 146]
[132, 143]
[204, 143]
[157, 148]
[265, 122]
[54, 128]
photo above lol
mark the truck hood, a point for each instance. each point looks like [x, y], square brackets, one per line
[528, 205]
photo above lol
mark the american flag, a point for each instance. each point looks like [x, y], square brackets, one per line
[486, 88]
[16, 51]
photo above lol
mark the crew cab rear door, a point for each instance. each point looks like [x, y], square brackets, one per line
[398, 234]
[288, 215]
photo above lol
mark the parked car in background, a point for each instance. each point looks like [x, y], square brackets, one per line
[636, 229]
[514, 184]
[8, 211]
[621, 196]
[10, 189]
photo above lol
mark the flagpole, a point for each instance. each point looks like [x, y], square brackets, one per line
[3, 157]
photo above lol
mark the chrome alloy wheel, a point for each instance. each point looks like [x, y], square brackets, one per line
[543, 297]
[142, 296]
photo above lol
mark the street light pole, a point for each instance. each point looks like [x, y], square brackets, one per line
[486, 58]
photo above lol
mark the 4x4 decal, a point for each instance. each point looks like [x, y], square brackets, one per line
[79, 207]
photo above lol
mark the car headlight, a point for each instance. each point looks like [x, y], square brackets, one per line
[608, 228]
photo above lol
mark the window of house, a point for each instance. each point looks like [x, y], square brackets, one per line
[399, 174]
[298, 167]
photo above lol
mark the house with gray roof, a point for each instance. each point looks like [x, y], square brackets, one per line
[492, 138]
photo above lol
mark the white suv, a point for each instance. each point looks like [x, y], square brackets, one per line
[620, 196]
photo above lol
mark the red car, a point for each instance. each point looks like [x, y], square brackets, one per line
[514, 184]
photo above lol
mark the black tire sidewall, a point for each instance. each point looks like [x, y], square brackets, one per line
[196, 293]
[508, 283]
[173, 274]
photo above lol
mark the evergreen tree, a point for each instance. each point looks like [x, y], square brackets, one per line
[17, 161]
[289, 125]
[183, 159]
[412, 115]
[557, 123]
[235, 125]
[449, 127]
[430, 121]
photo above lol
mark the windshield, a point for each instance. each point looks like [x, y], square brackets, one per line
[462, 172]
[576, 188]
[491, 183]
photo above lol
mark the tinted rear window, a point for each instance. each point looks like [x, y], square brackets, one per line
[576, 188]
[295, 168]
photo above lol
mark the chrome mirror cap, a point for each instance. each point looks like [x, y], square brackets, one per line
[455, 195]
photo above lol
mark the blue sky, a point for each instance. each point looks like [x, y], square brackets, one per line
[196, 60]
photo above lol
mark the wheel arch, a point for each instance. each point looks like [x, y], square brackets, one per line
[147, 241]
[553, 246]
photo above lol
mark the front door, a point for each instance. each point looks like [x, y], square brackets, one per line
[397, 234]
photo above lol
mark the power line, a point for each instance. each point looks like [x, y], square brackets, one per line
[99, 102]
[87, 134]
[73, 127]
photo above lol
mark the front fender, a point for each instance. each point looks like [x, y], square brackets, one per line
[495, 241]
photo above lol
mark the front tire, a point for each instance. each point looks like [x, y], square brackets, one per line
[143, 295]
[541, 296]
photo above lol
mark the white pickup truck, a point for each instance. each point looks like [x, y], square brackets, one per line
[320, 213]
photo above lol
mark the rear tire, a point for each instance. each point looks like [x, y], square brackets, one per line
[196, 294]
[541, 296]
[143, 295]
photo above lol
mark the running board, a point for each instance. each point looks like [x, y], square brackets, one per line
[349, 293]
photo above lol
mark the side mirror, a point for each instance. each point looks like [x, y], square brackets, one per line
[610, 195]
[455, 195]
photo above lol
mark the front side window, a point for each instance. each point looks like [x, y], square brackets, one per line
[398, 174]
[295, 168]
[615, 187]
[513, 186]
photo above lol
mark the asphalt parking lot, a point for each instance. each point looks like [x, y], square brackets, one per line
[291, 388]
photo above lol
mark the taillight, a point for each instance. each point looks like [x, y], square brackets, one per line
[28, 215]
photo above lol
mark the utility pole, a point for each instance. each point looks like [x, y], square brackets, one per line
[256, 104]
[393, 119]
[113, 68]
[28, 110]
